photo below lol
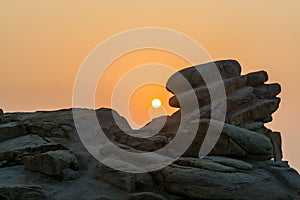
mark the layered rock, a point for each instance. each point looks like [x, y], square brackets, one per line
[233, 142]
[249, 100]
[51, 163]
[42, 157]
[212, 180]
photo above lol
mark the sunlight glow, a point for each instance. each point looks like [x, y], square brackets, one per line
[156, 103]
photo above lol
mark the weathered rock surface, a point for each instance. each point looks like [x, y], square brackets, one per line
[11, 130]
[1, 116]
[12, 151]
[267, 91]
[202, 92]
[121, 180]
[256, 78]
[23, 192]
[227, 69]
[52, 162]
[200, 183]
[42, 157]
[233, 142]
[248, 101]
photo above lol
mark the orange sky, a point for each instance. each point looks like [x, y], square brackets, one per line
[43, 44]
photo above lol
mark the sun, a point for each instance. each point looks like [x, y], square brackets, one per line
[156, 103]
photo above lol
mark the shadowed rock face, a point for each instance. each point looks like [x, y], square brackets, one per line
[42, 157]
[248, 100]
[1, 115]
[227, 68]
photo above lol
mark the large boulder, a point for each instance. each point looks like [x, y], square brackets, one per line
[202, 92]
[52, 162]
[11, 130]
[260, 110]
[256, 78]
[267, 91]
[248, 99]
[249, 104]
[199, 182]
[13, 150]
[227, 69]
[233, 142]
[46, 129]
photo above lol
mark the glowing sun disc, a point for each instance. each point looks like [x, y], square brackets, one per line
[156, 103]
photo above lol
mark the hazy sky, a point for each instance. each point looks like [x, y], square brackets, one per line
[43, 44]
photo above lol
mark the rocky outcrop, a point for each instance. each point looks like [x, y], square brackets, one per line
[13, 150]
[11, 130]
[234, 142]
[51, 163]
[226, 182]
[248, 98]
[228, 69]
[42, 157]
[126, 181]
[248, 101]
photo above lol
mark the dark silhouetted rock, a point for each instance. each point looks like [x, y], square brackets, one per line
[227, 69]
[15, 149]
[22, 193]
[42, 156]
[258, 111]
[233, 142]
[123, 180]
[267, 91]
[52, 162]
[200, 183]
[1, 116]
[275, 138]
[202, 92]
[11, 130]
[256, 78]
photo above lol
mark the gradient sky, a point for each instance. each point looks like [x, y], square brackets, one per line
[43, 44]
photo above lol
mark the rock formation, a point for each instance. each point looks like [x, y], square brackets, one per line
[42, 157]
[250, 103]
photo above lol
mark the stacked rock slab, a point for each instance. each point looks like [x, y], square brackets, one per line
[250, 103]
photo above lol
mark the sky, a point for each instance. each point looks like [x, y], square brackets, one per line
[44, 43]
